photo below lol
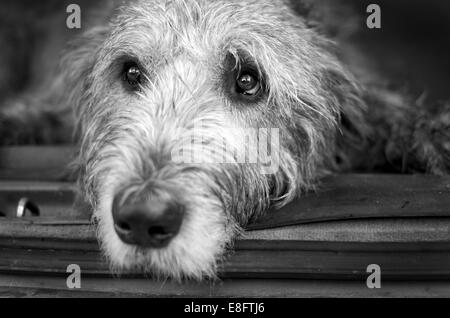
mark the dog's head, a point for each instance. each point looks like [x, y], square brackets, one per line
[194, 117]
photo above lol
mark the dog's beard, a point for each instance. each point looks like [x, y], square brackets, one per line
[219, 199]
[194, 252]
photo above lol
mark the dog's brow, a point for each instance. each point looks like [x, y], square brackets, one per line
[180, 78]
[242, 57]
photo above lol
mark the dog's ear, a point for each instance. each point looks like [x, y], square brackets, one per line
[78, 61]
[346, 95]
[337, 19]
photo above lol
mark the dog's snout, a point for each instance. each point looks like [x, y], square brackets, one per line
[150, 223]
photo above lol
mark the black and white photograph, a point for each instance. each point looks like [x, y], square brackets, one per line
[225, 149]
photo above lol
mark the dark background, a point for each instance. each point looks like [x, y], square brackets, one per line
[412, 48]
[413, 45]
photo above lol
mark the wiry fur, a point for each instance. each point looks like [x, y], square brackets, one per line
[327, 122]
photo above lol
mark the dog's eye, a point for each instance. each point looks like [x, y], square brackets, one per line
[132, 75]
[248, 84]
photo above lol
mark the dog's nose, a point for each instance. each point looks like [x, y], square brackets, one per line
[152, 223]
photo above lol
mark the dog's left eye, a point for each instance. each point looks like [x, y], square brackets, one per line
[248, 84]
[132, 75]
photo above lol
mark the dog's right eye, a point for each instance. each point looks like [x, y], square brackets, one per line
[248, 84]
[132, 74]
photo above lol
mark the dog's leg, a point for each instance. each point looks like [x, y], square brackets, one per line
[416, 132]
[41, 112]
[35, 119]
[400, 134]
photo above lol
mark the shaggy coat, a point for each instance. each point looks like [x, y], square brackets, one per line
[190, 53]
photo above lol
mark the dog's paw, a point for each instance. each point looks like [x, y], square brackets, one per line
[432, 139]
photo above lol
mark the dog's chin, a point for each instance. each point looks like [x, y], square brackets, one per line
[193, 254]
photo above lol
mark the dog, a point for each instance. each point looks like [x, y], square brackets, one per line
[169, 99]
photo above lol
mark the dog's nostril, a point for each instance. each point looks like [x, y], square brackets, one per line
[124, 226]
[159, 233]
[156, 230]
